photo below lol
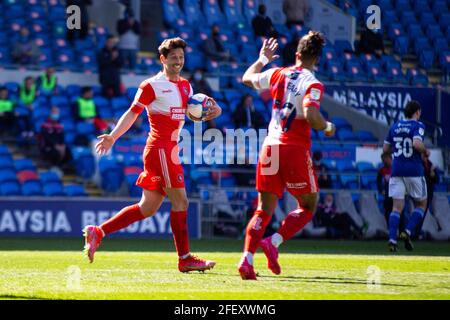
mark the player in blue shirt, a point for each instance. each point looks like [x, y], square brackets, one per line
[405, 142]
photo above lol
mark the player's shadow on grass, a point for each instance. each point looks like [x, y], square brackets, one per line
[332, 280]
[19, 297]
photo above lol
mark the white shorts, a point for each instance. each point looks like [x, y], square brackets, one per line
[415, 187]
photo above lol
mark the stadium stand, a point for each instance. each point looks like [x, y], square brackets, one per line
[417, 31]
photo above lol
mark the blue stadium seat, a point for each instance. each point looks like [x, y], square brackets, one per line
[49, 176]
[335, 70]
[232, 12]
[438, 7]
[403, 6]
[85, 166]
[119, 103]
[433, 31]
[342, 46]
[75, 190]
[345, 135]
[7, 174]
[389, 17]
[171, 12]
[420, 44]
[401, 45]
[73, 90]
[365, 167]
[444, 61]
[426, 58]
[111, 173]
[133, 190]
[249, 10]
[385, 5]
[420, 6]
[366, 136]
[53, 189]
[407, 17]
[414, 31]
[368, 182]
[193, 14]
[395, 30]
[415, 77]
[350, 181]
[440, 45]
[345, 166]
[32, 188]
[24, 164]
[427, 18]
[444, 20]
[4, 150]
[213, 14]
[10, 189]
[85, 128]
[194, 60]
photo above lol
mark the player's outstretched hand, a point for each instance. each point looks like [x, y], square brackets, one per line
[331, 132]
[269, 48]
[213, 110]
[105, 143]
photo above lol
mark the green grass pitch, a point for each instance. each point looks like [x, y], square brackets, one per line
[147, 269]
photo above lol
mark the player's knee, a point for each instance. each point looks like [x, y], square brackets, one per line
[147, 210]
[180, 205]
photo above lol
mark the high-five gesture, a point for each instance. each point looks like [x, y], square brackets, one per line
[268, 49]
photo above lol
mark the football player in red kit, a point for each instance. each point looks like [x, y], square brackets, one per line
[285, 159]
[165, 98]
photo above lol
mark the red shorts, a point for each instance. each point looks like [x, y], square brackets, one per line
[285, 166]
[162, 169]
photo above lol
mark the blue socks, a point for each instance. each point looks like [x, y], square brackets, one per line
[414, 220]
[394, 221]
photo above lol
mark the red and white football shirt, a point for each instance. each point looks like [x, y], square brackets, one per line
[166, 103]
[293, 89]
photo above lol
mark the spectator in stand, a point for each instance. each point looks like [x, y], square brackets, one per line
[200, 85]
[295, 11]
[47, 82]
[129, 30]
[27, 95]
[7, 116]
[109, 63]
[84, 109]
[262, 24]
[84, 15]
[214, 48]
[338, 224]
[51, 142]
[24, 50]
[371, 42]
[246, 116]
[321, 171]
[383, 176]
[289, 50]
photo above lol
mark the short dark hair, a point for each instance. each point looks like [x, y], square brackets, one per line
[411, 107]
[310, 45]
[3, 89]
[169, 44]
[85, 89]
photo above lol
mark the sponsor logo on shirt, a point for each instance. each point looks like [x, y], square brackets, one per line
[314, 94]
[180, 177]
[177, 113]
[167, 91]
[296, 185]
[156, 178]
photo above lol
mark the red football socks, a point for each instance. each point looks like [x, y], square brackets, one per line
[294, 222]
[178, 223]
[122, 219]
[255, 230]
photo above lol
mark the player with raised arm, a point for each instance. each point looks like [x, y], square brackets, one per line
[165, 98]
[405, 142]
[285, 159]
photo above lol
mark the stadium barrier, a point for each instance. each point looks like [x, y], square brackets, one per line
[66, 217]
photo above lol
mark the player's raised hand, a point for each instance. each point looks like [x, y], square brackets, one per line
[213, 110]
[105, 143]
[330, 130]
[269, 48]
